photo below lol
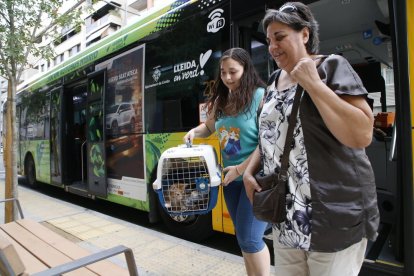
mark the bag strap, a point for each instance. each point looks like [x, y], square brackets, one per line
[289, 134]
[292, 123]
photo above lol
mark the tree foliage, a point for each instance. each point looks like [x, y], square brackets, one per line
[26, 27]
[23, 24]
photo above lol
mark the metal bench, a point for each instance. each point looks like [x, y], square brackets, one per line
[29, 248]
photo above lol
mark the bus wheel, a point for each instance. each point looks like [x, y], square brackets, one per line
[190, 227]
[30, 172]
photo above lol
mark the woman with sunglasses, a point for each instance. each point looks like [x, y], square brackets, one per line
[331, 205]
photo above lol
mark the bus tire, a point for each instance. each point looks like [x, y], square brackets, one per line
[30, 172]
[194, 228]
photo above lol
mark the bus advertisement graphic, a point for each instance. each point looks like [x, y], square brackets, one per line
[123, 121]
[55, 137]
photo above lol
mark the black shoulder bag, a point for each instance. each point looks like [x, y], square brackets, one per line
[270, 203]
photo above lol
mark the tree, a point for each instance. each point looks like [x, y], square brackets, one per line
[23, 23]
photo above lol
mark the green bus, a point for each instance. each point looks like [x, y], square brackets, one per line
[97, 124]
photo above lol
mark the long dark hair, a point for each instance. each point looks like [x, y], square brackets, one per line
[242, 97]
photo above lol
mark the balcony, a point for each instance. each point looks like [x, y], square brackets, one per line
[138, 5]
[103, 21]
[101, 33]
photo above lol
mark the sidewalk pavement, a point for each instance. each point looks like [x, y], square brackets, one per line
[155, 253]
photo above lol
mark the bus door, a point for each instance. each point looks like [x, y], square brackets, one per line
[56, 135]
[95, 141]
[76, 97]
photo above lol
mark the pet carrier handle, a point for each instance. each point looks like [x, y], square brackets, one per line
[188, 143]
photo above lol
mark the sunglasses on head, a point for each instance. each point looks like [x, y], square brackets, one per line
[288, 8]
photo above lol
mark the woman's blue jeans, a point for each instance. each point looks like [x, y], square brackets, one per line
[249, 230]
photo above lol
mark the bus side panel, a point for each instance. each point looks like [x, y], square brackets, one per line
[40, 151]
[410, 36]
[409, 241]
[181, 65]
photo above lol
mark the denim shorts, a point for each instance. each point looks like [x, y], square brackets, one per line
[249, 230]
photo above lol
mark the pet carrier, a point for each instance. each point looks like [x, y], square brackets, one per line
[188, 179]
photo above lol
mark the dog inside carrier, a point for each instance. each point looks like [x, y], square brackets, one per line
[188, 179]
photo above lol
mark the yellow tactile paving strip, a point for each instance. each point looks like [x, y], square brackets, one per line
[155, 253]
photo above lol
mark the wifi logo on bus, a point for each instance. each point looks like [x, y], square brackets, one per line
[217, 21]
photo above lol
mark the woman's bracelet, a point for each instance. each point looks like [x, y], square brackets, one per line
[237, 170]
[209, 130]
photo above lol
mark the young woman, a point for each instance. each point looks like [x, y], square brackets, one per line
[232, 111]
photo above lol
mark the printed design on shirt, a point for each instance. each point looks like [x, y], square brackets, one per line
[230, 140]
[295, 232]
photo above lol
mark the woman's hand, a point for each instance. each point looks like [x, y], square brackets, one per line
[231, 173]
[251, 185]
[201, 131]
[189, 137]
[305, 72]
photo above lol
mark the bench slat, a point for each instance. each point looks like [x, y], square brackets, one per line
[43, 251]
[31, 263]
[71, 249]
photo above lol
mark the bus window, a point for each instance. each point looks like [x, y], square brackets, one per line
[34, 117]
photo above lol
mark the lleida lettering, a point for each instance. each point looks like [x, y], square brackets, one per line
[187, 70]
[190, 69]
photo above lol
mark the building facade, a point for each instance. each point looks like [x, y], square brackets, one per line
[104, 18]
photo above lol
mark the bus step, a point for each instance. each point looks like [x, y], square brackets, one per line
[79, 188]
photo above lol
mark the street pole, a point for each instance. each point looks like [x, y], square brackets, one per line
[9, 165]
